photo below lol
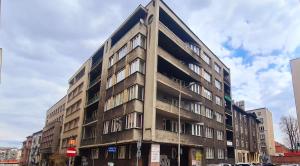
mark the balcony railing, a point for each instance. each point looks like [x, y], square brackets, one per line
[93, 99]
[93, 82]
[229, 127]
[88, 141]
[228, 111]
[89, 120]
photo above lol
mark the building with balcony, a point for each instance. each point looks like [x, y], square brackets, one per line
[50, 142]
[266, 133]
[152, 70]
[34, 157]
[246, 141]
[75, 105]
[295, 70]
[24, 161]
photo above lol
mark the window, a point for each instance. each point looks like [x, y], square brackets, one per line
[207, 76]
[105, 127]
[218, 101]
[118, 99]
[195, 88]
[220, 153]
[218, 84]
[195, 48]
[109, 82]
[207, 94]
[136, 92]
[197, 129]
[242, 143]
[111, 61]
[206, 58]
[196, 108]
[237, 142]
[95, 153]
[133, 120]
[220, 135]
[195, 68]
[116, 125]
[209, 153]
[120, 75]
[174, 126]
[261, 128]
[219, 117]
[109, 104]
[121, 152]
[208, 113]
[137, 66]
[217, 68]
[122, 52]
[138, 40]
[209, 132]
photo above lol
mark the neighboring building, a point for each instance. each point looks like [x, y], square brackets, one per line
[26, 151]
[246, 135]
[143, 71]
[295, 70]
[76, 98]
[49, 147]
[34, 157]
[266, 133]
[280, 149]
[7, 153]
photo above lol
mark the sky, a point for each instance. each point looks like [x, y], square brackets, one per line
[45, 42]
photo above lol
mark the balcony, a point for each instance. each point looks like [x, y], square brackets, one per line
[229, 127]
[172, 87]
[228, 111]
[87, 141]
[93, 100]
[90, 120]
[95, 81]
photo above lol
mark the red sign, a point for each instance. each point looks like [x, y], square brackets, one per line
[71, 152]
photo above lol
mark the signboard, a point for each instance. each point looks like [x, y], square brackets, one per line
[112, 149]
[155, 153]
[71, 152]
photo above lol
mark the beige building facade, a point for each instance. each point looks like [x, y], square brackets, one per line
[295, 69]
[266, 133]
[75, 104]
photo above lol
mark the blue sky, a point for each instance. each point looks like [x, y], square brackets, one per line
[45, 42]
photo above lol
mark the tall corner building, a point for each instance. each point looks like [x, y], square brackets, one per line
[295, 69]
[75, 104]
[266, 133]
[152, 68]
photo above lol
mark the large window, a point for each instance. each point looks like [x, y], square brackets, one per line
[209, 132]
[196, 108]
[111, 61]
[105, 127]
[221, 154]
[197, 129]
[206, 58]
[118, 99]
[109, 104]
[218, 85]
[122, 52]
[195, 88]
[138, 40]
[137, 66]
[133, 120]
[209, 113]
[219, 117]
[109, 82]
[209, 153]
[195, 48]
[207, 94]
[116, 125]
[217, 68]
[120, 75]
[218, 101]
[195, 68]
[136, 92]
[207, 76]
[220, 135]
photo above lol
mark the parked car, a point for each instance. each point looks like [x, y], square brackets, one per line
[244, 164]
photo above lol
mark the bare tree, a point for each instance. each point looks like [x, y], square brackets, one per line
[289, 126]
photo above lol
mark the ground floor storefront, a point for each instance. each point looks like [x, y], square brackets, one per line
[244, 156]
[151, 154]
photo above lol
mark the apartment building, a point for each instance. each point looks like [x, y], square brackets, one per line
[75, 104]
[34, 157]
[246, 127]
[295, 70]
[150, 70]
[49, 147]
[266, 133]
[24, 161]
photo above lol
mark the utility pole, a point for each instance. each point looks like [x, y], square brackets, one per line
[179, 123]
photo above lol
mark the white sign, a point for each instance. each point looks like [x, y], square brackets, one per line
[155, 153]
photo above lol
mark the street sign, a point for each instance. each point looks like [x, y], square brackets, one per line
[71, 152]
[112, 149]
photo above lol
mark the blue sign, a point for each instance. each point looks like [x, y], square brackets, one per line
[112, 149]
